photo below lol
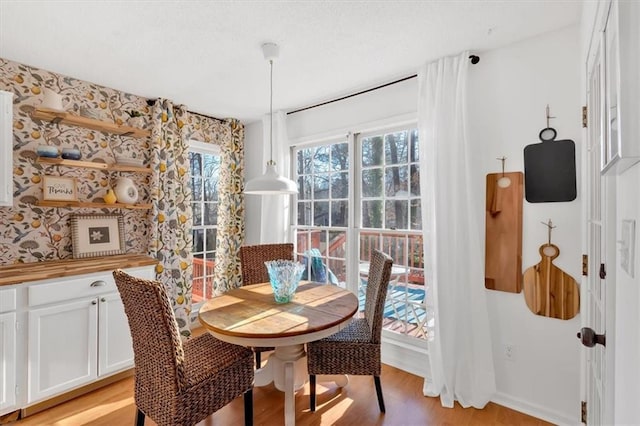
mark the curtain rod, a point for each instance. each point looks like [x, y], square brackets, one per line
[151, 102]
[208, 116]
[473, 58]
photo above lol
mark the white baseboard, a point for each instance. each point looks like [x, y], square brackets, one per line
[412, 356]
[405, 353]
[534, 410]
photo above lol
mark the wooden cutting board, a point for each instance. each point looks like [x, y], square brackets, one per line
[503, 233]
[548, 290]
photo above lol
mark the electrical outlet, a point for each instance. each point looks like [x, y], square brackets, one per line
[509, 352]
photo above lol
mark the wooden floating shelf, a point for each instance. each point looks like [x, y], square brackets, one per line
[88, 123]
[50, 203]
[93, 165]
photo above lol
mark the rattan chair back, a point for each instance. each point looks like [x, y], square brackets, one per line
[252, 260]
[378, 279]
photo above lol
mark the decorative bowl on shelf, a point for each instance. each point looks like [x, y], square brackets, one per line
[129, 161]
[284, 276]
[71, 154]
[47, 151]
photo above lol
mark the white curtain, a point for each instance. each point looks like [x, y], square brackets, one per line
[460, 355]
[274, 218]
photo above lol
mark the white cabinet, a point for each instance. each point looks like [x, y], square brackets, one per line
[621, 42]
[8, 350]
[6, 148]
[78, 332]
[115, 350]
[62, 347]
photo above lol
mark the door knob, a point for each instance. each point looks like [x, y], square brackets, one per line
[589, 338]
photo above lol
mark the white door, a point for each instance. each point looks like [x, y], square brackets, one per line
[62, 347]
[115, 350]
[8, 345]
[594, 305]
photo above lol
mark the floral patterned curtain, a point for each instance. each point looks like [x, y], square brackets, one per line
[171, 239]
[230, 235]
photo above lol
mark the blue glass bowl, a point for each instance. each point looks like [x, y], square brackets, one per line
[284, 276]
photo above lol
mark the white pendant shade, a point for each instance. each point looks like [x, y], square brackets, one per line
[270, 183]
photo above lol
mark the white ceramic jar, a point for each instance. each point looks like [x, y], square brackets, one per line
[126, 191]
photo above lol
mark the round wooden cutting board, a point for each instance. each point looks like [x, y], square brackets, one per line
[548, 290]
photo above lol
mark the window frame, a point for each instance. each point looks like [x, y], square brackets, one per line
[354, 227]
[206, 149]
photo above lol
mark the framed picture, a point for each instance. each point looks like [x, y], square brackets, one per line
[59, 188]
[97, 235]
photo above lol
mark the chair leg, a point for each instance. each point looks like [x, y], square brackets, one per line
[258, 360]
[248, 407]
[379, 393]
[139, 418]
[312, 392]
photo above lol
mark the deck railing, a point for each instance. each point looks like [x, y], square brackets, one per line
[202, 279]
[405, 247]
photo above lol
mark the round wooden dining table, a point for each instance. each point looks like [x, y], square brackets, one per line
[249, 316]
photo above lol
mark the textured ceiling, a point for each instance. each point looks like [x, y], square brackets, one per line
[207, 54]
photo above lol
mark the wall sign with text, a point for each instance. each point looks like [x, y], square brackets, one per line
[58, 188]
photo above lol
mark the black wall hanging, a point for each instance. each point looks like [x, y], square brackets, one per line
[550, 168]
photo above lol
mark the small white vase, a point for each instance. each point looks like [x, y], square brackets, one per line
[126, 191]
[51, 100]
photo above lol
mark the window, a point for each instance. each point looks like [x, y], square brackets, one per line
[204, 160]
[323, 210]
[351, 206]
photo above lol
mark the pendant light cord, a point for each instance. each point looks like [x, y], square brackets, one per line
[271, 162]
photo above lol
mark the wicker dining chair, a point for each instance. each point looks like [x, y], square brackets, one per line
[254, 271]
[179, 383]
[356, 348]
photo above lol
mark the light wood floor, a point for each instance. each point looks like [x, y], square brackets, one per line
[355, 404]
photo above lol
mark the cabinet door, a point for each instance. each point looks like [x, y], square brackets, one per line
[62, 348]
[8, 344]
[115, 350]
[6, 148]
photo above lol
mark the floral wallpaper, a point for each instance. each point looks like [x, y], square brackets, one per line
[31, 233]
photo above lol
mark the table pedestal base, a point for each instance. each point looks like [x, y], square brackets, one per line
[287, 369]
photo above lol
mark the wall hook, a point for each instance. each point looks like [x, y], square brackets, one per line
[549, 225]
[548, 133]
[504, 181]
[503, 158]
[548, 116]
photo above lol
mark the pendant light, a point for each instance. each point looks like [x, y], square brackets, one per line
[270, 182]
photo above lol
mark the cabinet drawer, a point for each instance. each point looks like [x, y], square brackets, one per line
[79, 286]
[63, 289]
[8, 300]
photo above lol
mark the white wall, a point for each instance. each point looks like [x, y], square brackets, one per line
[253, 145]
[508, 92]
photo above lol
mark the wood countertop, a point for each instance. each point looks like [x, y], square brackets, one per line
[26, 272]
